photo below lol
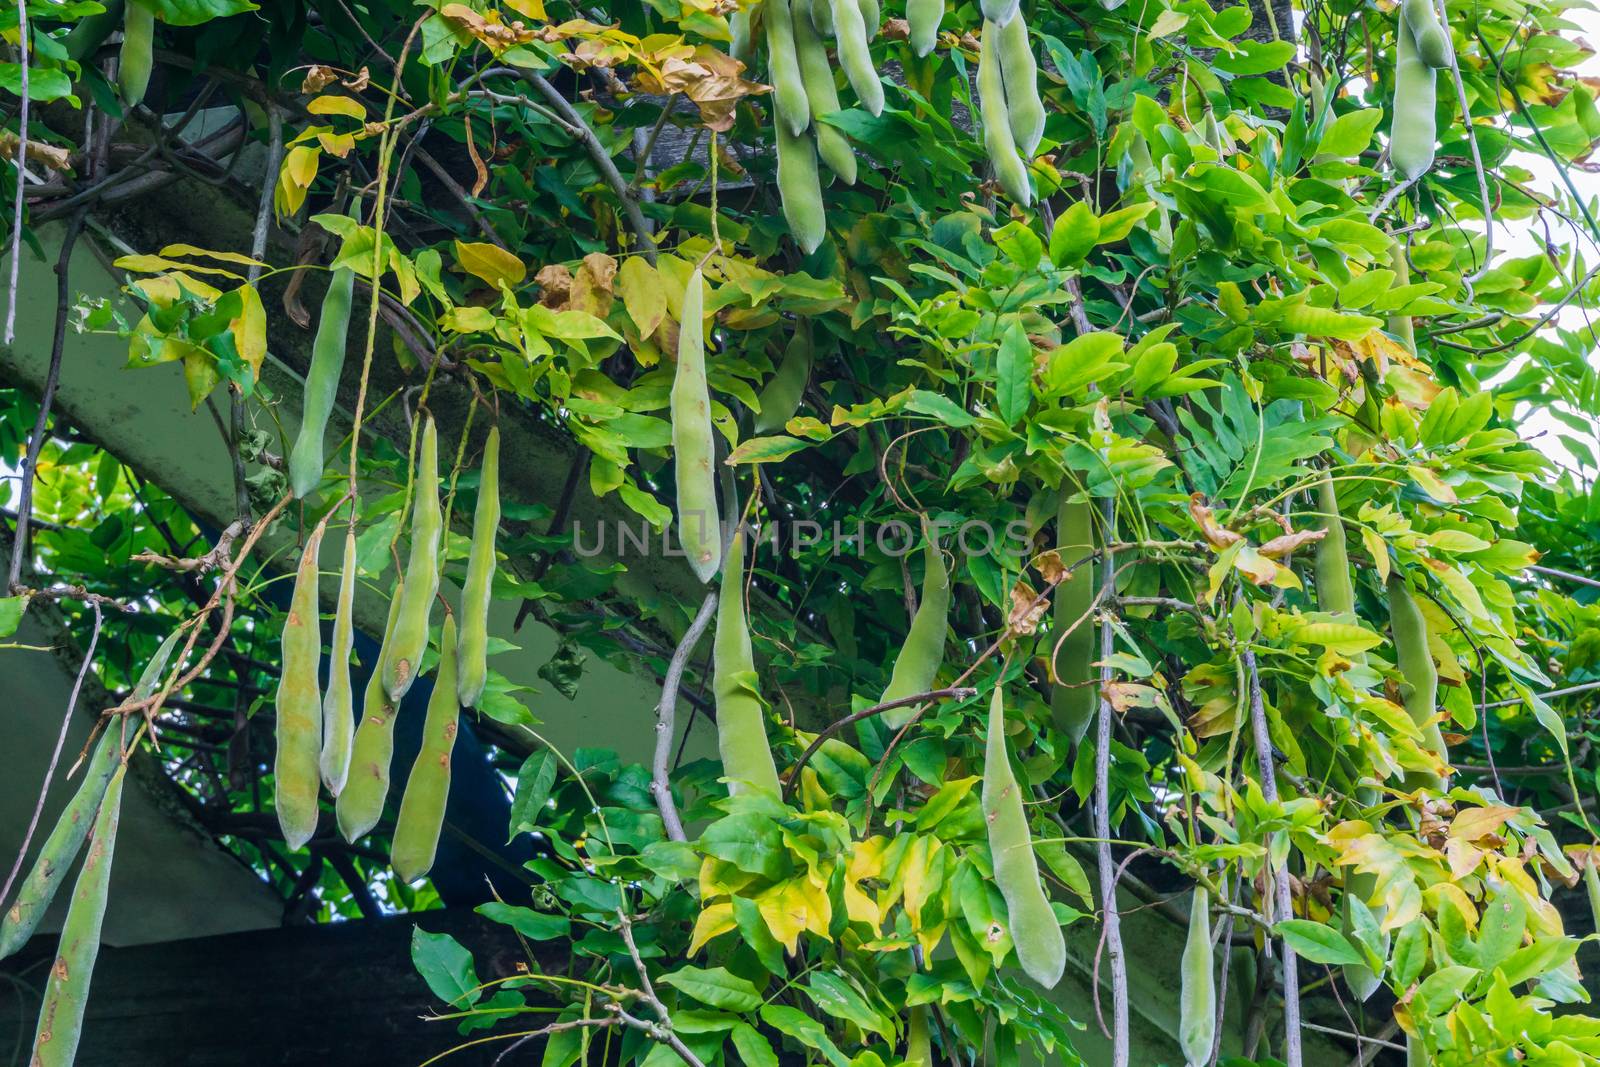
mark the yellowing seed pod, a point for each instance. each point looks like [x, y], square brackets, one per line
[1412, 133]
[997, 140]
[338, 705]
[693, 446]
[421, 818]
[472, 671]
[296, 769]
[410, 635]
[741, 720]
[1020, 75]
[922, 654]
[1035, 933]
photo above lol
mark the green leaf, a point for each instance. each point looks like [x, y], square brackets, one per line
[446, 966]
[11, 609]
[1316, 942]
[838, 998]
[194, 12]
[1014, 366]
[765, 450]
[940, 407]
[534, 779]
[751, 842]
[1350, 133]
[804, 1029]
[535, 925]
[1076, 232]
[753, 1049]
[716, 986]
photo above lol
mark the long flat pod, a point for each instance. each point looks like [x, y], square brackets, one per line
[338, 705]
[410, 636]
[1074, 702]
[693, 447]
[472, 666]
[800, 189]
[823, 98]
[1009, 169]
[741, 722]
[1413, 135]
[1415, 662]
[1335, 589]
[855, 55]
[1041, 949]
[61, 847]
[416, 830]
[780, 397]
[360, 804]
[66, 990]
[322, 382]
[783, 66]
[922, 654]
[296, 769]
[1197, 1001]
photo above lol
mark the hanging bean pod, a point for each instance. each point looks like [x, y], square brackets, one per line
[1001, 147]
[1431, 36]
[1414, 659]
[1400, 325]
[410, 635]
[472, 671]
[338, 705]
[922, 19]
[800, 189]
[136, 58]
[66, 988]
[1041, 949]
[922, 654]
[360, 804]
[783, 66]
[693, 440]
[1075, 700]
[850, 32]
[919, 1049]
[823, 98]
[416, 829]
[741, 29]
[1336, 591]
[1197, 1002]
[322, 382]
[780, 397]
[1000, 12]
[741, 719]
[1412, 134]
[1020, 74]
[296, 770]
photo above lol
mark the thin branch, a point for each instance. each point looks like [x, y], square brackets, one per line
[1110, 920]
[1282, 903]
[1566, 576]
[1552, 694]
[22, 178]
[666, 719]
[55, 755]
[954, 692]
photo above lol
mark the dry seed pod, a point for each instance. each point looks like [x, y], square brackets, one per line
[338, 706]
[296, 770]
[473, 668]
[416, 829]
[693, 443]
[1035, 932]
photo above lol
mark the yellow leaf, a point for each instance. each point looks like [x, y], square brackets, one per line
[643, 294]
[714, 921]
[1431, 484]
[227, 257]
[528, 9]
[1378, 549]
[490, 262]
[1474, 824]
[157, 264]
[299, 170]
[333, 104]
[250, 330]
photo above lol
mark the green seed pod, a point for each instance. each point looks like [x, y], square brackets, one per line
[800, 189]
[322, 383]
[741, 27]
[1420, 689]
[741, 719]
[1335, 590]
[137, 57]
[823, 97]
[1412, 135]
[997, 140]
[820, 12]
[1400, 325]
[360, 804]
[871, 17]
[919, 1050]
[38, 889]
[66, 990]
[472, 669]
[1041, 949]
[1075, 701]
[338, 705]
[1197, 1003]
[780, 397]
[693, 446]
[922, 654]
[416, 829]
[410, 635]
[783, 66]
[923, 18]
[1429, 34]
[1000, 12]
[91, 31]
[1591, 885]
[850, 31]
[299, 705]
[1020, 75]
